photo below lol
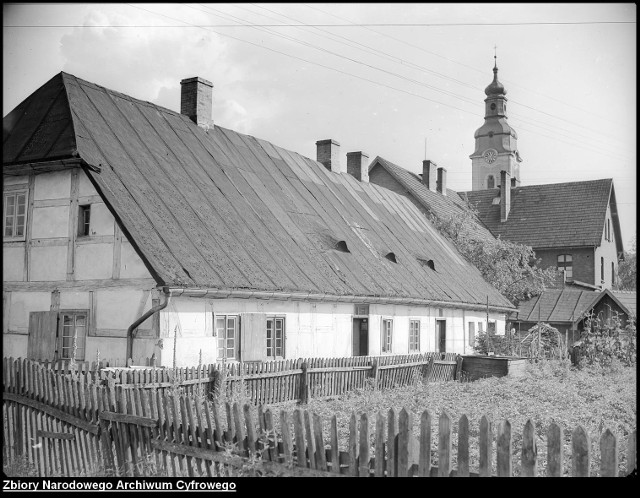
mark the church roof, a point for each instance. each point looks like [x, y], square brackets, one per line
[552, 215]
[217, 209]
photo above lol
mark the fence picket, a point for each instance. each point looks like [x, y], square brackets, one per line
[529, 451]
[352, 448]
[554, 450]
[608, 454]
[444, 445]
[463, 447]
[298, 429]
[321, 457]
[287, 443]
[363, 459]
[580, 448]
[486, 447]
[503, 449]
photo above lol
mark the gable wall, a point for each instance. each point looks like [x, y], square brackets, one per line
[583, 261]
[55, 269]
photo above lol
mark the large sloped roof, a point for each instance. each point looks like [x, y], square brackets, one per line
[570, 305]
[443, 206]
[218, 209]
[553, 215]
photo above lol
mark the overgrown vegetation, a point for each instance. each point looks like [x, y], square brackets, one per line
[604, 341]
[510, 267]
[594, 397]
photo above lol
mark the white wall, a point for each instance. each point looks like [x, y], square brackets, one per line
[311, 329]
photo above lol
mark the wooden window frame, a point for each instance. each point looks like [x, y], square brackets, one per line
[84, 220]
[217, 331]
[274, 319]
[386, 343]
[60, 335]
[567, 266]
[14, 190]
[414, 336]
[491, 182]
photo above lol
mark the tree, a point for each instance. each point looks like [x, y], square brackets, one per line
[627, 270]
[510, 267]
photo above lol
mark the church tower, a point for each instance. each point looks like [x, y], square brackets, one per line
[496, 142]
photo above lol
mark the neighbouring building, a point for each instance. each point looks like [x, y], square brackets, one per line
[567, 310]
[129, 228]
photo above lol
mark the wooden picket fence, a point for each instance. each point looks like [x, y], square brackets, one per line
[63, 429]
[280, 381]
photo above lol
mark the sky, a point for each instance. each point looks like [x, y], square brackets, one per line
[401, 81]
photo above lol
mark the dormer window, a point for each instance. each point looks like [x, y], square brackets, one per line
[84, 220]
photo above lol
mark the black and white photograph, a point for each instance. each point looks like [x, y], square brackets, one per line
[307, 240]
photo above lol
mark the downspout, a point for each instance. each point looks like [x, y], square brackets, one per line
[136, 324]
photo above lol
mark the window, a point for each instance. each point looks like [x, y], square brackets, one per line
[491, 327]
[613, 274]
[84, 218]
[15, 214]
[565, 262]
[414, 335]
[602, 270]
[228, 337]
[480, 328]
[491, 182]
[275, 337]
[72, 334]
[607, 230]
[472, 334]
[387, 335]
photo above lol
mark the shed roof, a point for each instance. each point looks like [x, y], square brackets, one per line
[218, 209]
[553, 215]
[568, 305]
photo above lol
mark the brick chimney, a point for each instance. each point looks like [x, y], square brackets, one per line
[358, 166]
[196, 100]
[505, 195]
[442, 181]
[328, 153]
[429, 174]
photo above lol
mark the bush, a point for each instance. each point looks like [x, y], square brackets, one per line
[603, 342]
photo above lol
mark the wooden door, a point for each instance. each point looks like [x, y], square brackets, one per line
[441, 335]
[43, 327]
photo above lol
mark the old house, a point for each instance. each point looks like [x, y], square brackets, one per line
[129, 228]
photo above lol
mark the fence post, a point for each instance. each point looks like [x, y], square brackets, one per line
[374, 372]
[458, 368]
[305, 393]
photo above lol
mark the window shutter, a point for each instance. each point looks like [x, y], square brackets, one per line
[253, 337]
[43, 326]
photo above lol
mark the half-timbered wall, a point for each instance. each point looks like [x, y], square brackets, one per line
[53, 268]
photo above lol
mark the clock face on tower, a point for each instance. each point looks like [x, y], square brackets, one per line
[490, 155]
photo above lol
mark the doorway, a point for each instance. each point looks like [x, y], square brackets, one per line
[441, 335]
[360, 336]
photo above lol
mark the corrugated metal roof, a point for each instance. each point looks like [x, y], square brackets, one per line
[554, 215]
[221, 210]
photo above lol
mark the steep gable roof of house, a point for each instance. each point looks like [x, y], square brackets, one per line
[568, 305]
[218, 209]
[554, 215]
[443, 206]
[628, 299]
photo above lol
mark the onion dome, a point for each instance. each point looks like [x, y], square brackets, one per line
[495, 88]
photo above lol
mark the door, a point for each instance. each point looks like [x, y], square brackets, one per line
[360, 341]
[441, 335]
[43, 329]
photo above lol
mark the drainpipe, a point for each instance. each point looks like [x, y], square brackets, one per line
[136, 324]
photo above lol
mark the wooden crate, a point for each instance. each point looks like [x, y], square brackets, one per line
[478, 367]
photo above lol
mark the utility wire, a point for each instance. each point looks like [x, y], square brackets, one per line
[465, 99]
[340, 71]
[460, 63]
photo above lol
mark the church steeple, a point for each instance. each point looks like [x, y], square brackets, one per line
[496, 142]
